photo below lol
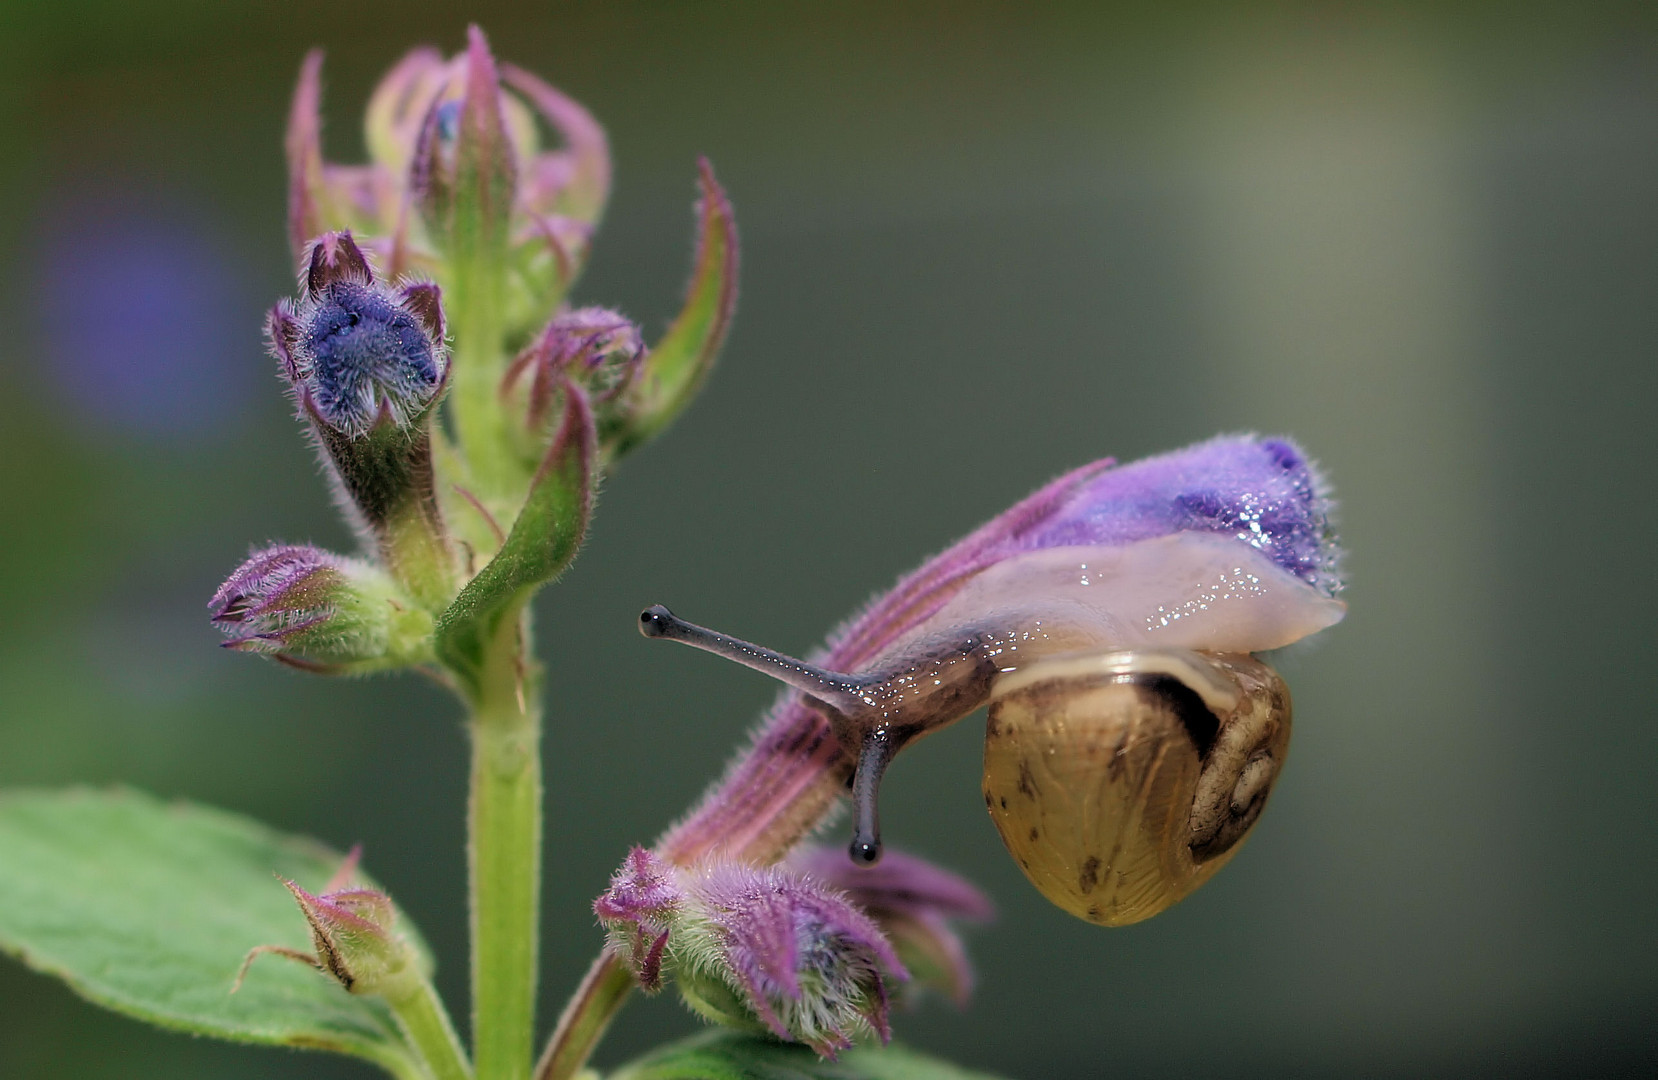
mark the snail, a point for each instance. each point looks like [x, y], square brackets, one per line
[1132, 738]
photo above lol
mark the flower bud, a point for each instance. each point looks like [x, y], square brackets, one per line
[354, 939]
[756, 948]
[643, 898]
[352, 930]
[397, 108]
[358, 353]
[913, 902]
[367, 365]
[593, 349]
[464, 173]
[322, 612]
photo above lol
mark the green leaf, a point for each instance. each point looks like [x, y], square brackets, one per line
[148, 907]
[543, 541]
[726, 1055]
[677, 365]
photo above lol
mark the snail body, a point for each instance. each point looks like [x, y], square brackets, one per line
[1131, 739]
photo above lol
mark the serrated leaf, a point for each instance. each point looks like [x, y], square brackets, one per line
[726, 1055]
[674, 370]
[148, 907]
[543, 541]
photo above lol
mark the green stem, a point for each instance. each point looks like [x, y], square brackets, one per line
[423, 1019]
[599, 998]
[505, 857]
[478, 364]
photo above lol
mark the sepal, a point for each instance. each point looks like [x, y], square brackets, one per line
[914, 903]
[544, 539]
[681, 361]
[757, 948]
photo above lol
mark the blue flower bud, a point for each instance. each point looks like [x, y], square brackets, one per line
[367, 366]
[358, 353]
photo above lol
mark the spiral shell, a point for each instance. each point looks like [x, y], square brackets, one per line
[1121, 781]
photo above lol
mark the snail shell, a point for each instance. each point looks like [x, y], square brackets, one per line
[1122, 781]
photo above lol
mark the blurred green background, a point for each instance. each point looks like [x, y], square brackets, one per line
[982, 244]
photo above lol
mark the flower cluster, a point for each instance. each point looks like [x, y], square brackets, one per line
[454, 148]
[435, 278]
[421, 274]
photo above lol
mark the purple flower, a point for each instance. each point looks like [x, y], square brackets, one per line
[318, 611]
[913, 901]
[1263, 493]
[754, 947]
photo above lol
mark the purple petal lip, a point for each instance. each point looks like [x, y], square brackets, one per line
[1261, 491]
[900, 883]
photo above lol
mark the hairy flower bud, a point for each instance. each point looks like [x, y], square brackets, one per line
[913, 902]
[322, 612]
[358, 353]
[752, 947]
[367, 365]
[354, 938]
[464, 173]
[593, 349]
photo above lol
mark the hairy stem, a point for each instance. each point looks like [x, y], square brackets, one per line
[422, 1017]
[599, 998]
[474, 300]
[505, 857]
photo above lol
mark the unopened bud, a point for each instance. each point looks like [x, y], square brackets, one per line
[464, 172]
[596, 350]
[323, 612]
[354, 939]
[367, 365]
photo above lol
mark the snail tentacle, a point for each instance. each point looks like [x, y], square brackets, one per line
[834, 689]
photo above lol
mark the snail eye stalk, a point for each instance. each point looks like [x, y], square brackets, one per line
[838, 691]
[849, 708]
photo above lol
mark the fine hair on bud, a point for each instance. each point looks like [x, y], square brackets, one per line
[359, 353]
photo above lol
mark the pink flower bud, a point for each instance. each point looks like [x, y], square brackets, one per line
[318, 611]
